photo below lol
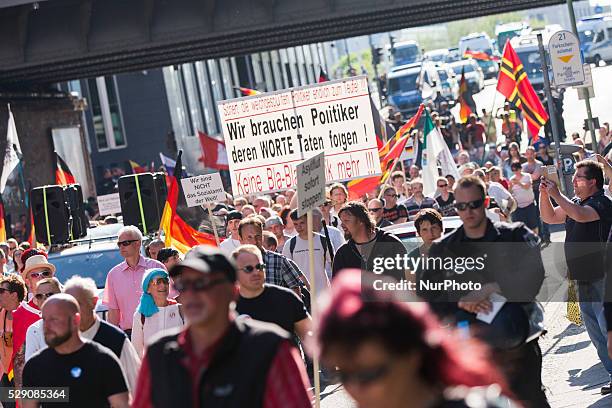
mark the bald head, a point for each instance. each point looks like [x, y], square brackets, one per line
[64, 303]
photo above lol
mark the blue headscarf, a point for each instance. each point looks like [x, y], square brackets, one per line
[147, 306]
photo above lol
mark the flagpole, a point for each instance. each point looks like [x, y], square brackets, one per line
[382, 189]
[491, 118]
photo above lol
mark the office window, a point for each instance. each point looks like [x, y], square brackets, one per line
[226, 77]
[194, 104]
[176, 101]
[207, 97]
[106, 113]
[114, 107]
[96, 113]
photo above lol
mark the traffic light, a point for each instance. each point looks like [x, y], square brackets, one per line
[377, 54]
[392, 44]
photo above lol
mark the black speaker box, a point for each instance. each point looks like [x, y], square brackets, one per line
[141, 210]
[51, 214]
[74, 199]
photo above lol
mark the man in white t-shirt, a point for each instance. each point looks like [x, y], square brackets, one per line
[296, 249]
[232, 221]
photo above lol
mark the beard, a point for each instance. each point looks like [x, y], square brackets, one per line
[54, 341]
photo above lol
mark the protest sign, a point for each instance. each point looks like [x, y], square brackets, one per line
[109, 204]
[204, 189]
[311, 183]
[267, 135]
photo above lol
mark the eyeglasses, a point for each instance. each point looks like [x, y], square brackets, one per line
[327, 203]
[198, 285]
[126, 242]
[251, 268]
[472, 205]
[161, 281]
[45, 274]
[442, 185]
[374, 209]
[582, 177]
[41, 296]
[365, 376]
[392, 195]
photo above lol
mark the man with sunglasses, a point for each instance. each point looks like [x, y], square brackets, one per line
[124, 282]
[217, 360]
[265, 302]
[12, 293]
[35, 338]
[36, 269]
[376, 207]
[393, 212]
[496, 269]
[588, 219]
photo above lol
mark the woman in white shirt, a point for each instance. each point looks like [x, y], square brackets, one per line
[155, 312]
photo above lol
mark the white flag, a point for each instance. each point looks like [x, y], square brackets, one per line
[435, 150]
[12, 151]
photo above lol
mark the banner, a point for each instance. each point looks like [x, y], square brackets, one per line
[267, 135]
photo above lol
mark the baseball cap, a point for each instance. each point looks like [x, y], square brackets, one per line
[274, 220]
[206, 259]
[234, 215]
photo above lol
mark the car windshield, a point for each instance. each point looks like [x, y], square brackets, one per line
[531, 62]
[403, 83]
[466, 67]
[586, 36]
[407, 53]
[93, 264]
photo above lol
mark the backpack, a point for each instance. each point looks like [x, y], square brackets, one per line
[324, 243]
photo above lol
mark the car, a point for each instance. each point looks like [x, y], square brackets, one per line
[406, 52]
[404, 86]
[476, 42]
[473, 74]
[599, 47]
[490, 68]
[439, 55]
[406, 231]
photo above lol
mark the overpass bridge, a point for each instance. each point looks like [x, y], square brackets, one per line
[56, 40]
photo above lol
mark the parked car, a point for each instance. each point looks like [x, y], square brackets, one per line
[473, 74]
[439, 55]
[405, 85]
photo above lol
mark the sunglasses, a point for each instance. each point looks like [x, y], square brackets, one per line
[41, 296]
[44, 274]
[392, 195]
[251, 268]
[126, 242]
[472, 205]
[198, 285]
[442, 185]
[161, 281]
[365, 376]
[374, 209]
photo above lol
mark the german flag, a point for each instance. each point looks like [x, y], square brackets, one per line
[477, 55]
[359, 187]
[3, 234]
[401, 132]
[515, 86]
[179, 234]
[323, 77]
[247, 91]
[464, 110]
[63, 175]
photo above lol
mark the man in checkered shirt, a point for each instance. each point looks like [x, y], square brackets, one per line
[279, 270]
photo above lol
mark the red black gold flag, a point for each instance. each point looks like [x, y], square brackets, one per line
[3, 234]
[323, 77]
[178, 233]
[247, 91]
[515, 86]
[63, 175]
[464, 110]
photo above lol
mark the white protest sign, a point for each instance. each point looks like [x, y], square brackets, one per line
[109, 204]
[564, 49]
[267, 135]
[311, 183]
[204, 189]
[586, 89]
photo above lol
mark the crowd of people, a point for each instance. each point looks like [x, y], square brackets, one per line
[232, 326]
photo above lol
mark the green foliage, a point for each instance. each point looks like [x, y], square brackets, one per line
[357, 61]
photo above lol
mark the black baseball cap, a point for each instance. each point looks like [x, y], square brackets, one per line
[206, 259]
[234, 215]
